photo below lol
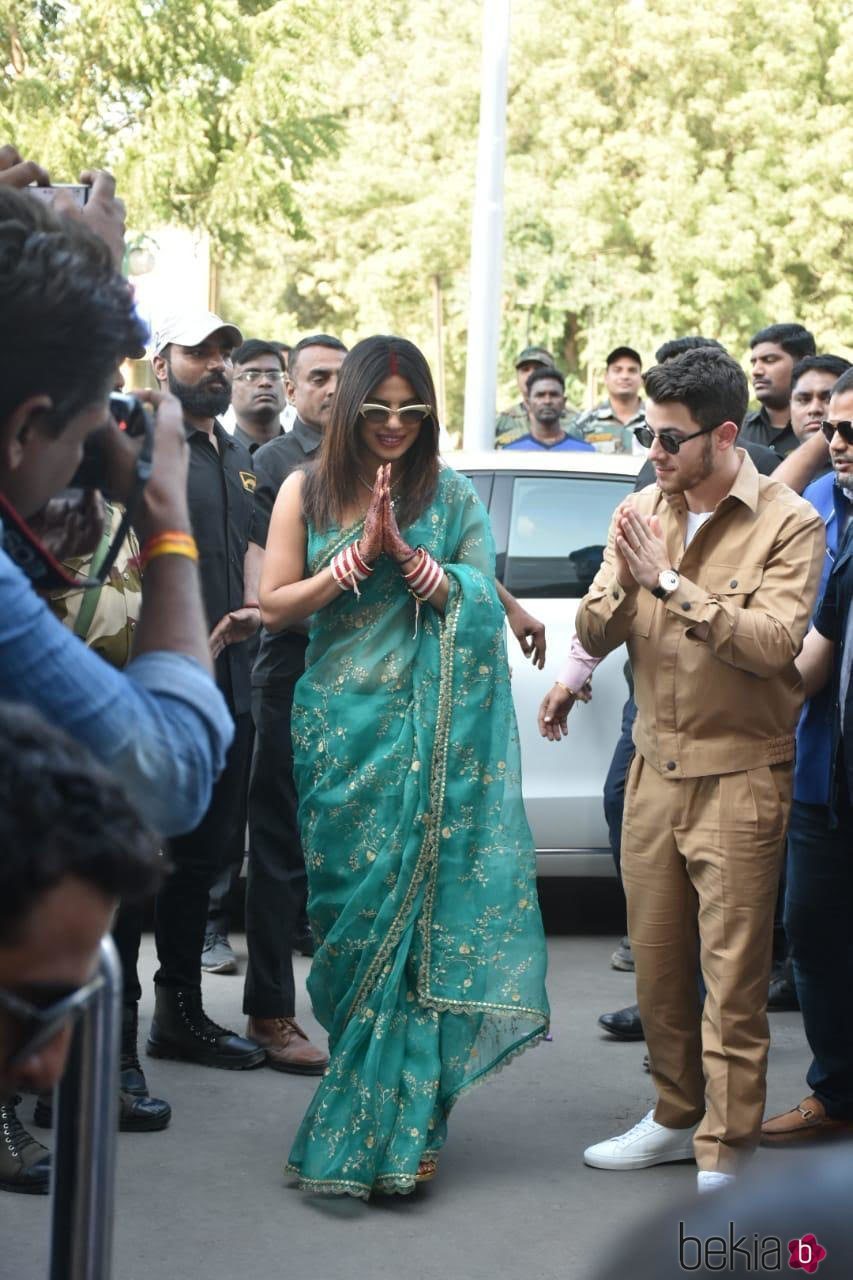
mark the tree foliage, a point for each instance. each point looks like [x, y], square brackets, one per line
[669, 169]
[198, 106]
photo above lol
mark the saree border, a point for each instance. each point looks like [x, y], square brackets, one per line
[402, 1184]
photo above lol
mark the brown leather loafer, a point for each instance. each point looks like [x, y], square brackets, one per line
[288, 1048]
[806, 1123]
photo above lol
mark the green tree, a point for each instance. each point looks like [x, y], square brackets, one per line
[688, 163]
[198, 106]
[666, 174]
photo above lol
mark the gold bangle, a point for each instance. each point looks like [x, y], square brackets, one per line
[569, 691]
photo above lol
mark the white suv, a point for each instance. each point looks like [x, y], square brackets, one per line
[550, 514]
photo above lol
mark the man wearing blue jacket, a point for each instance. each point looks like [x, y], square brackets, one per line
[819, 896]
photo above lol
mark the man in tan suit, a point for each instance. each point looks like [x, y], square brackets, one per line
[710, 576]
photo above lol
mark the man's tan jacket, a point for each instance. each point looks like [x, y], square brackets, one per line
[729, 702]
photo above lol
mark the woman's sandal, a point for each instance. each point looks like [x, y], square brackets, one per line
[427, 1169]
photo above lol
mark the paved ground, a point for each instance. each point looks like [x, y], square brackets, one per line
[207, 1200]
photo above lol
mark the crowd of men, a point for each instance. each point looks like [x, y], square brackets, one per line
[542, 419]
[711, 574]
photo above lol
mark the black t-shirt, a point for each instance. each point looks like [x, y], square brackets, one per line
[832, 622]
[758, 429]
[765, 461]
[220, 491]
[281, 657]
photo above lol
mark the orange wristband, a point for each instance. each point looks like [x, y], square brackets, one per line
[170, 543]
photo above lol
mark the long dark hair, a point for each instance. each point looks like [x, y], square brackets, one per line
[331, 484]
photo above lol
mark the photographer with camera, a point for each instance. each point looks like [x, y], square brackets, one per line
[161, 726]
[105, 618]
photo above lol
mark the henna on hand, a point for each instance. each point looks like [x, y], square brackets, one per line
[371, 542]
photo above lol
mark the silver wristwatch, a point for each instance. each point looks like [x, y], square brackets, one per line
[668, 581]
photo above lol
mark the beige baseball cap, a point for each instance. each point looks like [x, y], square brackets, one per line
[188, 328]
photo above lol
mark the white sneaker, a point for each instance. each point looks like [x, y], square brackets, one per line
[709, 1180]
[646, 1144]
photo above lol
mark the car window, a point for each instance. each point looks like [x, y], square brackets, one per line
[558, 531]
[482, 482]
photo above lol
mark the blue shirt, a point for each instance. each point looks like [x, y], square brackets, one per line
[161, 725]
[814, 732]
[529, 442]
[834, 620]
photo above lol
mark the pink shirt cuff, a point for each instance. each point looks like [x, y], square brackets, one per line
[578, 667]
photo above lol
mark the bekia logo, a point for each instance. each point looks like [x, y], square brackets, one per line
[806, 1254]
[747, 1253]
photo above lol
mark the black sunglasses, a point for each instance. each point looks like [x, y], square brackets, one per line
[38, 1024]
[668, 441]
[844, 429]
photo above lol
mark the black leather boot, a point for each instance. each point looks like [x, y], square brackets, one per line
[131, 1075]
[181, 1029]
[24, 1162]
[625, 1023]
[137, 1111]
[135, 1114]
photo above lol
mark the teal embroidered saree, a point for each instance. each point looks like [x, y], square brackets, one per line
[430, 963]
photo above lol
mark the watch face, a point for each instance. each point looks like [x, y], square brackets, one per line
[669, 580]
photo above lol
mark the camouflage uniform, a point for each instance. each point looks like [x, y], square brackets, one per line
[110, 632]
[600, 427]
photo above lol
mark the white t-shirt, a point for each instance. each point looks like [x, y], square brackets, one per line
[695, 520]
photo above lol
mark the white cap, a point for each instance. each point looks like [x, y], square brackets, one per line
[188, 328]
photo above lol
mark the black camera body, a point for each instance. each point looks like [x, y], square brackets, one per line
[132, 418]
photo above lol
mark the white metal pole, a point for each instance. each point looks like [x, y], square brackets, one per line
[484, 314]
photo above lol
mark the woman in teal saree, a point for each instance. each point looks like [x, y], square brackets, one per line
[430, 956]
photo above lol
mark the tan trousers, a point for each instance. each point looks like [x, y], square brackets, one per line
[700, 864]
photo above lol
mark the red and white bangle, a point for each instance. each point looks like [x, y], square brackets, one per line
[423, 580]
[349, 569]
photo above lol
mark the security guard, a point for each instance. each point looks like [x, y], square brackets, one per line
[610, 425]
[514, 423]
[192, 357]
[276, 884]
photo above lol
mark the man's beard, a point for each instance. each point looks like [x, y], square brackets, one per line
[200, 399]
[845, 482]
[770, 398]
[702, 470]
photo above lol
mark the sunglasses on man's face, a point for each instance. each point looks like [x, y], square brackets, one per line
[671, 443]
[844, 429]
[31, 1026]
[408, 415]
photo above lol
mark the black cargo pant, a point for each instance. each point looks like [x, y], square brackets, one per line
[197, 858]
[276, 887]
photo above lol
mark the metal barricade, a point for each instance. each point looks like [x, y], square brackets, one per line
[85, 1125]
